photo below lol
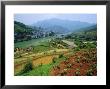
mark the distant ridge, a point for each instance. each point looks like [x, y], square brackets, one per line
[61, 26]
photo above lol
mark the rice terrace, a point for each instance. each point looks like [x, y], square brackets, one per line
[55, 45]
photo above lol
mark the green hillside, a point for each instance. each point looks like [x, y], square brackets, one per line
[23, 32]
[87, 34]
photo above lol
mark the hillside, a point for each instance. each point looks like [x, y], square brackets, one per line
[55, 50]
[84, 34]
[61, 26]
[23, 32]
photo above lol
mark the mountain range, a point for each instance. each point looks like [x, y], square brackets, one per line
[61, 26]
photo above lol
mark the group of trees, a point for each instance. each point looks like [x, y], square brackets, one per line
[23, 32]
[90, 35]
[86, 38]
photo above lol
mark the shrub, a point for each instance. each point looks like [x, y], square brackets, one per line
[69, 65]
[78, 59]
[77, 73]
[63, 73]
[65, 58]
[61, 55]
[94, 66]
[53, 60]
[28, 67]
[89, 72]
[76, 49]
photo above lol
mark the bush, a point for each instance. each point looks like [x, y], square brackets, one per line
[78, 59]
[69, 65]
[53, 60]
[76, 49]
[93, 66]
[28, 67]
[61, 55]
[63, 73]
[89, 72]
[77, 73]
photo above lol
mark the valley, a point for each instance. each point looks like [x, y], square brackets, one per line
[49, 50]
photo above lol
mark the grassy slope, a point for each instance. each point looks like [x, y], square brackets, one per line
[44, 69]
[32, 42]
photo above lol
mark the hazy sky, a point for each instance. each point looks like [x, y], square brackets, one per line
[29, 19]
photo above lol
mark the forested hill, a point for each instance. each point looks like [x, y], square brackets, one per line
[23, 32]
[85, 34]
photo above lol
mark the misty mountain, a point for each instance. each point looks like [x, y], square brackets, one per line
[61, 26]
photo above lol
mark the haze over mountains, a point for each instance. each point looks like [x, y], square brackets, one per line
[61, 26]
[49, 27]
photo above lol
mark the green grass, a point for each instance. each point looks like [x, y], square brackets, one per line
[32, 42]
[39, 71]
[44, 46]
[43, 70]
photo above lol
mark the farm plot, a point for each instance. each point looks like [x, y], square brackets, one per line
[82, 63]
